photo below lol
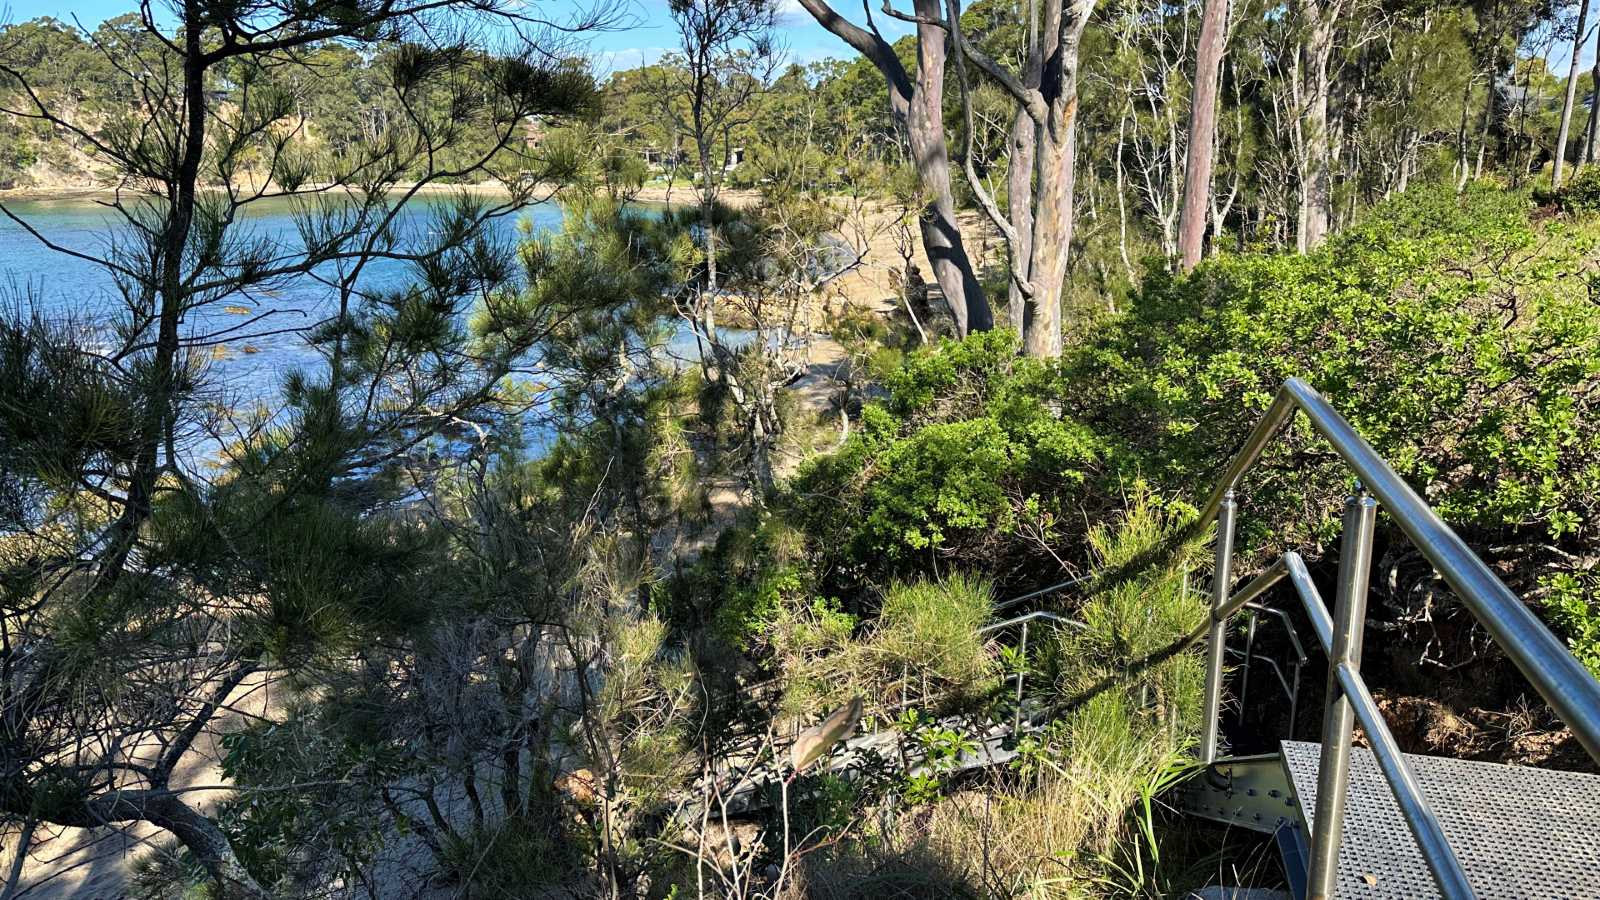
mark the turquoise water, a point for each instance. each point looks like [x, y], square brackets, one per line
[263, 338]
[262, 334]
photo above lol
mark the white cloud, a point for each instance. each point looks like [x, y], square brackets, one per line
[607, 62]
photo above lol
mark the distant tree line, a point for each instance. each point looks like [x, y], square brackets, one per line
[1309, 111]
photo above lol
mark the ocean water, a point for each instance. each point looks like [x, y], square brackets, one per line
[262, 335]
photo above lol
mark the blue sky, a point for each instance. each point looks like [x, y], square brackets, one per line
[649, 36]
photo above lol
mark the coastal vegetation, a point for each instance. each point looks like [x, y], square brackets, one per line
[555, 536]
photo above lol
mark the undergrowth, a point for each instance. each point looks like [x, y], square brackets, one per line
[1077, 815]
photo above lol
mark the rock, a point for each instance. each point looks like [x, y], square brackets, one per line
[578, 786]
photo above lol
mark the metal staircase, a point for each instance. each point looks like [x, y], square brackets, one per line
[747, 780]
[1379, 823]
[1519, 832]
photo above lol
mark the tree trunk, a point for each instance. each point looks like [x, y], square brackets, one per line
[1122, 203]
[1057, 171]
[210, 846]
[1490, 107]
[1042, 319]
[1046, 93]
[1519, 161]
[708, 224]
[1019, 199]
[1571, 95]
[14, 874]
[1316, 182]
[1594, 107]
[941, 235]
[160, 807]
[1202, 131]
[917, 109]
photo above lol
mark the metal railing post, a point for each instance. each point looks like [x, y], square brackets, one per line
[1022, 672]
[1249, 657]
[1338, 718]
[1216, 640]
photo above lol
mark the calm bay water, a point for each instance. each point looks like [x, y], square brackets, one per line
[260, 343]
[258, 330]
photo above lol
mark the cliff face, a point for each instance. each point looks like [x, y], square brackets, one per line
[37, 161]
[77, 172]
[40, 162]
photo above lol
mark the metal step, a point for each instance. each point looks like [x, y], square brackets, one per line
[1520, 832]
[745, 791]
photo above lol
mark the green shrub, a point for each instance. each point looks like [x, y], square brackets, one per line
[1573, 605]
[1075, 820]
[1130, 629]
[924, 646]
[734, 591]
[1459, 340]
[933, 626]
[967, 463]
[1580, 195]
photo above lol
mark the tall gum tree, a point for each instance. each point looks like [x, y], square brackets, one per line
[1319, 19]
[1043, 143]
[917, 104]
[1579, 36]
[1202, 133]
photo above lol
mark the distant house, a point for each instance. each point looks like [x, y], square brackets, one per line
[659, 159]
[1515, 96]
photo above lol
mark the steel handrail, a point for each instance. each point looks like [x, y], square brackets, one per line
[1044, 592]
[1022, 648]
[1424, 825]
[1294, 636]
[1419, 816]
[1037, 616]
[1558, 677]
[1539, 654]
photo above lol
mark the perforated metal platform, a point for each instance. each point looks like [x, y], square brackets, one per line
[1519, 832]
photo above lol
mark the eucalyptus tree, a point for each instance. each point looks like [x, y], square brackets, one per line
[1589, 136]
[916, 102]
[1318, 21]
[1151, 84]
[1202, 132]
[1038, 226]
[1580, 36]
[166, 545]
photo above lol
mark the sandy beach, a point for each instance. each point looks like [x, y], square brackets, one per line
[681, 192]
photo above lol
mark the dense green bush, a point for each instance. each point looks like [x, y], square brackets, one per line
[1460, 340]
[923, 647]
[732, 592]
[934, 626]
[966, 463]
[1580, 195]
[1059, 822]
